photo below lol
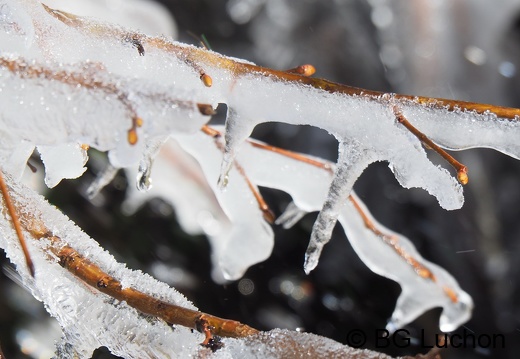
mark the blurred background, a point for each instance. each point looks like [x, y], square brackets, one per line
[460, 49]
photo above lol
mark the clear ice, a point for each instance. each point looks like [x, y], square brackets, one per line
[92, 87]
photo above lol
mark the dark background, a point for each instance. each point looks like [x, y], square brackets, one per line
[421, 47]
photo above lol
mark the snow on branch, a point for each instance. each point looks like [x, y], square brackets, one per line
[69, 83]
[137, 316]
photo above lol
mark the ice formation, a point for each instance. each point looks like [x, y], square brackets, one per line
[89, 318]
[274, 170]
[81, 83]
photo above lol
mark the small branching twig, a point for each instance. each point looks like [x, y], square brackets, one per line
[391, 240]
[90, 81]
[462, 171]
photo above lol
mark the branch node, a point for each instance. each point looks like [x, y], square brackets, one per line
[211, 341]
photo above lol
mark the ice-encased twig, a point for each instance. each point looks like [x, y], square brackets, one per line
[16, 223]
[150, 84]
[98, 318]
[424, 284]
[91, 319]
[253, 94]
[307, 180]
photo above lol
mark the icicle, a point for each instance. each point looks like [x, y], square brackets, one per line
[144, 182]
[236, 132]
[102, 179]
[353, 158]
[290, 216]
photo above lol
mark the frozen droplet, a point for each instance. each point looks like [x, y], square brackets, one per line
[313, 252]
[143, 180]
[144, 183]
[223, 181]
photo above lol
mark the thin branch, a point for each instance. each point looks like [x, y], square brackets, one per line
[462, 171]
[267, 213]
[392, 240]
[88, 272]
[88, 80]
[199, 56]
[16, 223]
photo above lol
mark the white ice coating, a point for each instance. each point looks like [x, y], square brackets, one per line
[90, 319]
[231, 219]
[308, 185]
[53, 158]
[250, 239]
[418, 295]
[163, 89]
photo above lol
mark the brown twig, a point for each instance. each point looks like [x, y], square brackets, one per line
[89, 81]
[197, 57]
[393, 241]
[267, 213]
[93, 275]
[293, 155]
[462, 171]
[16, 223]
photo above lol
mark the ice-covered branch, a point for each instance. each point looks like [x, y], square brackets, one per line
[69, 83]
[364, 122]
[131, 317]
[424, 284]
